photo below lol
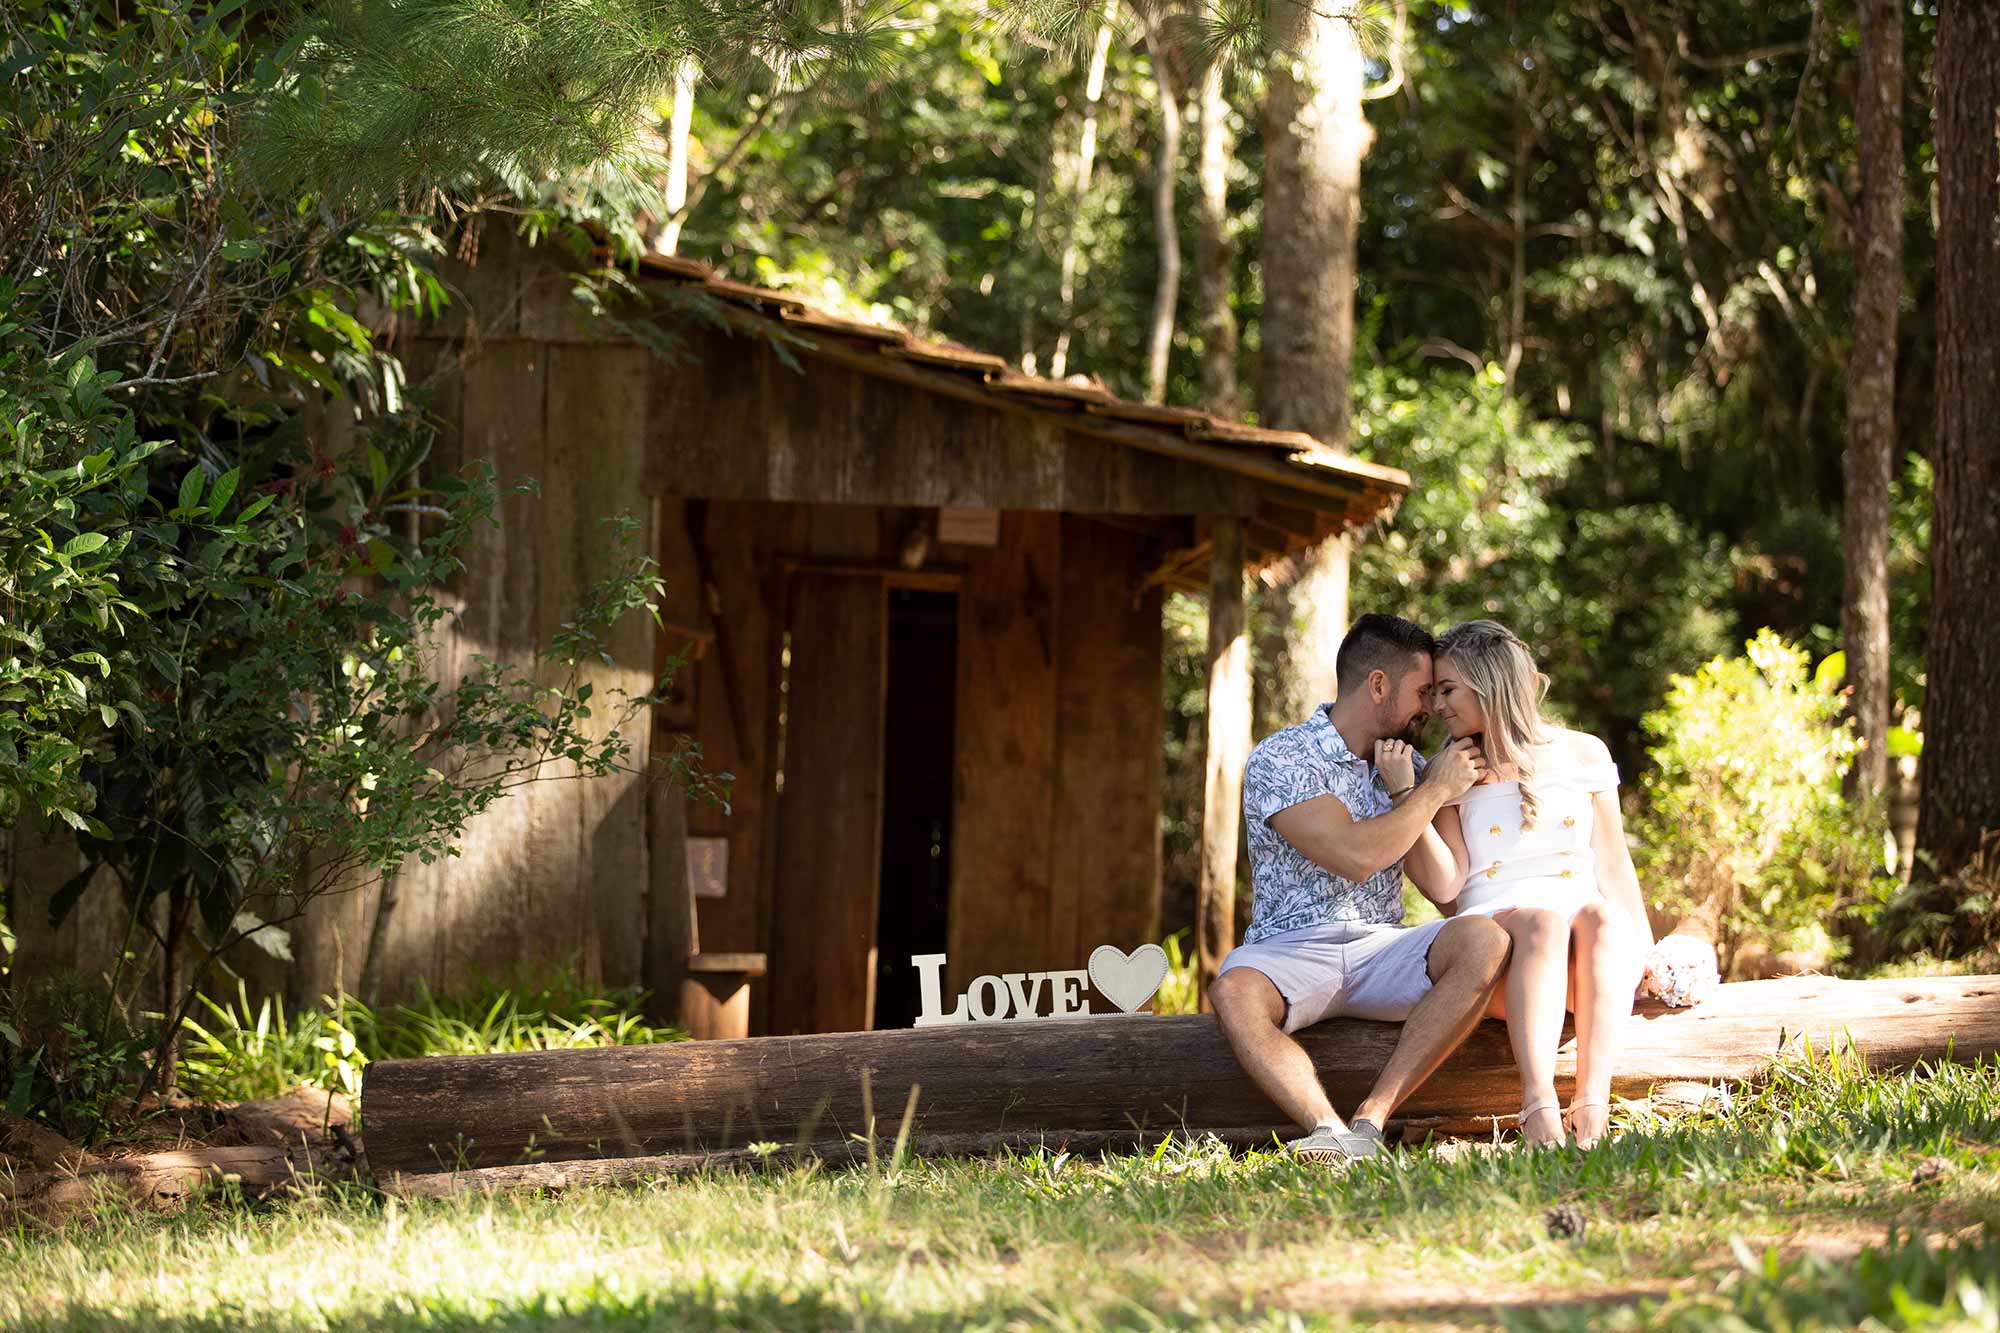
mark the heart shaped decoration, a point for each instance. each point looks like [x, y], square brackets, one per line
[1128, 980]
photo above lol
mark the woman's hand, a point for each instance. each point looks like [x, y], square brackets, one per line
[1397, 763]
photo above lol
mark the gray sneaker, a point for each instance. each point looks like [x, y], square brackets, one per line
[1330, 1147]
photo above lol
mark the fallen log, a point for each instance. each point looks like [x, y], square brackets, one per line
[1103, 1081]
[164, 1180]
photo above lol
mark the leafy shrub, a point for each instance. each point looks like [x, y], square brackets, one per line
[238, 1051]
[1179, 993]
[1953, 917]
[242, 1054]
[74, 553]
[549, 1016]
[66, 1054]
[1743, 825]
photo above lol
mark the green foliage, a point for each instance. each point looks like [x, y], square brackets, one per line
[65, 1054]
[398, 98]
[297, 741]
[935, 191]
[1909, 587]
[1180, 992]
[559, 1014]
[1613, 600]
[72, 499]
[243, 1051]
[1184, 703]
[1950, 917]
[159, 326]
[1743, 822]
[213, 634]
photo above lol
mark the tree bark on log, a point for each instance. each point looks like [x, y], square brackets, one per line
[162, 1180]
[1097, 1082]
[1961, 795]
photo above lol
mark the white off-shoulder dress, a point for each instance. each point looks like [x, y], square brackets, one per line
[1549, 865]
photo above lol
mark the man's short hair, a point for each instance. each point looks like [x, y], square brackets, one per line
[1380, 643]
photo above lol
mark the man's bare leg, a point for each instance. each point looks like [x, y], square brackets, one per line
[1467, 960]
[1252, 1015]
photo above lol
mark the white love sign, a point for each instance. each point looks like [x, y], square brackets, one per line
[1128, 981]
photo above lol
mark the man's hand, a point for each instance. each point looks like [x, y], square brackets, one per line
[1397, 763]
[1457, 768]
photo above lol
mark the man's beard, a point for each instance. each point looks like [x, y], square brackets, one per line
[1411, 733]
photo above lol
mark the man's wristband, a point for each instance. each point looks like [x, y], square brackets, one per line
[1401, 792]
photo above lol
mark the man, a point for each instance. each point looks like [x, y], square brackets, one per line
[1327, 848]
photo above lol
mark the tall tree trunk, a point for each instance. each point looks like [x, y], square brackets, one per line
[1315, 135]
[1034, 227]
[668, 238]
[1215, 251]
[1086, 162]
[1871, 384]
[1517, 282]
[1961, 794]
[1167, 281]
[1227, 751]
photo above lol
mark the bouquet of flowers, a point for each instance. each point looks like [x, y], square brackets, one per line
[1679, 971]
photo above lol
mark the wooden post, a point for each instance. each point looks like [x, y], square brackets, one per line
[1228, 748]
[670, 918]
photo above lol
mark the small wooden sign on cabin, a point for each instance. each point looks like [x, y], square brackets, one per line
[968, 525]
[708, 867]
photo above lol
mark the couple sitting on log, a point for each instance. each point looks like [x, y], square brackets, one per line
[1513, 829]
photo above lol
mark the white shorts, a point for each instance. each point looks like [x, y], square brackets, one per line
[1344, 970]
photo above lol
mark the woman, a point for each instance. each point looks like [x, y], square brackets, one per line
[1539, 845]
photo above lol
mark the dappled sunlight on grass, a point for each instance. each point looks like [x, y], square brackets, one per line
[1814, 1170]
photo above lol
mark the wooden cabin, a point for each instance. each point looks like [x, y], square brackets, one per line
[918, 598]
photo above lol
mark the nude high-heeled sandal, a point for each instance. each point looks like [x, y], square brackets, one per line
[1569, 1121]
[1562, 1137]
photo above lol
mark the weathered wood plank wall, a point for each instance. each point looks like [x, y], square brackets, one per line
[1110, 755]
[550, 877]
[1003, 815]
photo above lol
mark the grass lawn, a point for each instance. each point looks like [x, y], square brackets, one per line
[1829, 1197]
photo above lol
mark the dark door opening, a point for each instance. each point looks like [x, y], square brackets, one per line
[917, 763]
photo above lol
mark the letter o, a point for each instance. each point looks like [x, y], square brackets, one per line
[983, 1009]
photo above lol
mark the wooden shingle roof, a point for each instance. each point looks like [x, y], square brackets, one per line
[1349, 491]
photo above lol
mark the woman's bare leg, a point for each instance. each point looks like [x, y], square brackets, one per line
[1537, 982]
[1607, 976]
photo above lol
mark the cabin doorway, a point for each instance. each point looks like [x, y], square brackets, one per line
[917, 765]
[869, 701]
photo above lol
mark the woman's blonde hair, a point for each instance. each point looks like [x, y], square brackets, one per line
[1497, 667]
